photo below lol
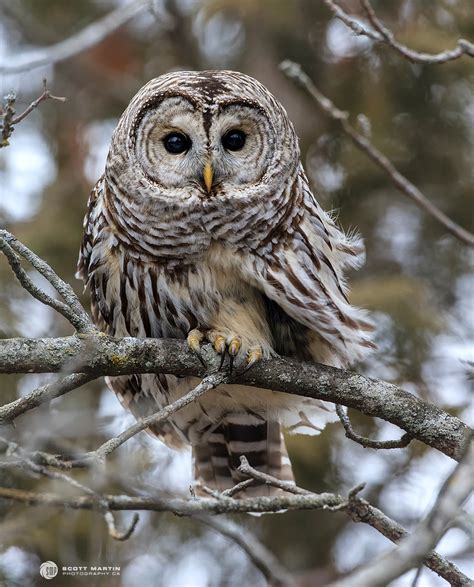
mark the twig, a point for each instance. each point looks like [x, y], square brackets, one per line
[26, 462]
[417, 576]
[209, 382]
[10, 411]
[381, 34]
[294, 72]
[413, 549]
[117, 534]
[287, 486]
[239, 487]
[46, 95]
[72, 310]
[369, 442]
[421, 420]
[275, 574]
[7, 114]
[355, 25]
[85, 39]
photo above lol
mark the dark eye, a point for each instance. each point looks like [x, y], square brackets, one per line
[176, 143]
[234, 140]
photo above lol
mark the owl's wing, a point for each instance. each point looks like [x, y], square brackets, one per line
[302, 272]
[92, 256]
[90, 229]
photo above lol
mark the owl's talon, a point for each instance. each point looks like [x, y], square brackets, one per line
[253, 356]
[222, 360]
[194, 339]
[219, 345]
[234, 346]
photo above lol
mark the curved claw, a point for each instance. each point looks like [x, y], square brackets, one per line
[253, 356]
[234, 348]
[194, 339]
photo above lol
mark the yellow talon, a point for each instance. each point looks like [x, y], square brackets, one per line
[194, 339]
[219, 344]
[234, 347]
[254, 355]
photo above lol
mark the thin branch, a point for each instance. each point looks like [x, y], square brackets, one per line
[287, 486]
[116, 534]
[176, 505]
[7, 114]
[209, 382]
[381, 34]
[357, 508]
[89, 36]
[413, 550]
[294, 72]
[275, 574]
[46, 95]
[26, 462]
[421, 420]
[43, 394]
[72, 309]
[369, 442]
[238, 488]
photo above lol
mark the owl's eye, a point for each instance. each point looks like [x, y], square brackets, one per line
[234, 140]
[176, 143]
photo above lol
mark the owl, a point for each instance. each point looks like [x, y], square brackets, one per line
[204, 228]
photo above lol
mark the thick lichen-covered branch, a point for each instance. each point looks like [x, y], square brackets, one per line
[98, 354]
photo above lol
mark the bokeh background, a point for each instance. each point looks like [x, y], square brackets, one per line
[418, 281]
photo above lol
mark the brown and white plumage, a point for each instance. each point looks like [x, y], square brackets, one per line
[227, 244]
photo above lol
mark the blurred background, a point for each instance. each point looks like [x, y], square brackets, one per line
[418, 281]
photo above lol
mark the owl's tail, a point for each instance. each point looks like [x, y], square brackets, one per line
[217, 458]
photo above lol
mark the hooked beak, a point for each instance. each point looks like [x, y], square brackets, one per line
[208, 175]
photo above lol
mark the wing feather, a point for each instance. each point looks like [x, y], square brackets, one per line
[303, 274]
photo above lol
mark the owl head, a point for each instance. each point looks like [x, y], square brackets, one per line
[195, 136]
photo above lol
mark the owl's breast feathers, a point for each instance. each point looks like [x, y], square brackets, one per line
[151, 280]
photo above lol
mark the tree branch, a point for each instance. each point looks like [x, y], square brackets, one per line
[71, 308]
[369, 442]
[209, 382]
[294, 72]
[381, 34]
[7, 113]
[26, 463]
[102, 355]
[85, 39]
[43, 394]
[413, 549]
[357, 508]
[265, 561]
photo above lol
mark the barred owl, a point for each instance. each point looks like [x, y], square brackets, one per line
[203, 227]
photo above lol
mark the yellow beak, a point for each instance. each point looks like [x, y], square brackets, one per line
[208, 175]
